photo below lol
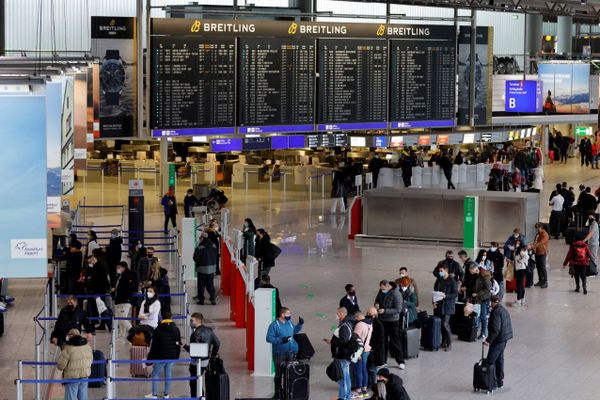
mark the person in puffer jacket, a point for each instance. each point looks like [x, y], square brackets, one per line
[75, 362]
[578, 259]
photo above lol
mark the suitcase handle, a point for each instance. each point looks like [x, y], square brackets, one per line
[482, 350]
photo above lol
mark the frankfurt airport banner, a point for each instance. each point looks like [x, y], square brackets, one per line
[23, 242]
[113, 42]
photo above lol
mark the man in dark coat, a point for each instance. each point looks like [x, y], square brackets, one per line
[394, 387]
[408, 162]
[497, 261]
[205, 259]
[446, 166]
[374, 166]
[454, 268]
[169, 203]
[446, 307]
[113, 254]
[70, 317]
[500, 332]
[389, 304]
[125, 286]
[201, 334]
[74, 259]
[350, 301]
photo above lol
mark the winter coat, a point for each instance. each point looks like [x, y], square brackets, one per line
[341, 344]
[152, 314]
[264, 252]
[511, 242]
[364, 330]
[97, 279]
[409, 301]
[391, 302]
[205, 334]
[113, 251]
[497, 261]
[395, 389]
[279, 330]
[572, 255]
[169, 209]
[75, 359]
[349, 305]
[74, 259]
[165, 341]
[70, 319]
[378, 354]
[454, 269]
[540, 243]
[339, 187]
[447, 306]
[499, 326]
[205, 257]
[125, 286]
[480, 285]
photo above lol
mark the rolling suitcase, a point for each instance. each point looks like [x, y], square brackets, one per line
[457, 317]
[294, 380]
[467, 329]
[139, 369]
[484, 375]
[410, 340]
[217, 381]
[305, 348]
[98, 370]
[431, 334]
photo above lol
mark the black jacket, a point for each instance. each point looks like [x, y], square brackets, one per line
[454, 269]
[264, 252]
[449, 287]
[113, 251]
[97, 278]
[497, 260]
[480, 285]
[205, 334]
[188, 203]
[392, 304]
[395, 389]
[378, 354]
[586, 202]
[74, 258]
[350, 307]
[165, 342]
[500, 326]
[70, 319]
[125, 286]
[341, 345]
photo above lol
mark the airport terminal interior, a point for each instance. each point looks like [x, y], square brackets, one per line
[340, 150]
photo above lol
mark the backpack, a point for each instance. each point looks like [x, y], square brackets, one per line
[357, 346]
[580, 253]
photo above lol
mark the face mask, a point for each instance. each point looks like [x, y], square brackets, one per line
[337, 317]
[404, 288]
[524, 252]
[449, 258]
[246, 226]
[150, 255]
[352, 293]
[150, 295]
[71, 307]
[483, 258]
[442, 274]
[112, 236]
[288, 318]
[402, 275]
[119, 272]
[384, 291]
[90, 265]
[139, 246]
[493, 248]
[516, 235]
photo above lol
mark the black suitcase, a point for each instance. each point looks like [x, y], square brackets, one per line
[1, 324]
[294, 380]
[98, 370]
[467, 329]
[431, 334]
[217, 381]
[484, 375]
[458, 316]
[305, 348]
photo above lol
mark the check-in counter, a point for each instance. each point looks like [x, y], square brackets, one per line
[245, 174]
[300, 177]
[204, 173]
[437, 214]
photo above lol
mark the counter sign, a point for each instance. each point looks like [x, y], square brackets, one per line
[524, 96]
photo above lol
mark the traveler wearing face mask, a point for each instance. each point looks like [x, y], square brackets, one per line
[249, 235]
[136, 253]
[70, 317]
[479, 292]
[413, 284]
[125, 286]
[497, 261]
[150, 309]
[390, 386]
[389, 307]
[454, 268]
[113, 254]
[201, 334]
[342, 349]
[215, 236]
[281, 336]
[447, 306]
[350, 301]
[92, 243]
[467, 265]
[169, 203]
[482, 260]
[521, 261]
[378, 356]
[205, 259]
[75, 362]
[189, 201]
[593, 237]
[409, 300]
[364, 330]
[166, 346]
[510, 245]
[97, 283]
[143, 273]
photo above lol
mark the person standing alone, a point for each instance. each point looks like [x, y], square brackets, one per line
[205, 258]
[540, 248]
[169, 203]
[500, 332]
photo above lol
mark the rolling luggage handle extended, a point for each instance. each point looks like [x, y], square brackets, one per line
[482, 353]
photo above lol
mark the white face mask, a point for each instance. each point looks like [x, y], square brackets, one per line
[150, 295]
[483, 258]
[493, 248]
[516, 235]
[90, 265]
[404, 288]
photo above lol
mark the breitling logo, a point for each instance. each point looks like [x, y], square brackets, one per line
[293, 28]
[380, 30]
[195, 28]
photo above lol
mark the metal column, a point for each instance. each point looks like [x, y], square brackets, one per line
[164, 165]
[139, 48]
[473, 58]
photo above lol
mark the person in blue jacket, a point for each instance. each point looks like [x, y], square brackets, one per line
[281, 335]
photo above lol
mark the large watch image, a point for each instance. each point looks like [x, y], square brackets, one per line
[112, 77]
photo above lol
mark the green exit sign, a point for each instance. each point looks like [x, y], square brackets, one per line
[515, 17]
[583, 131]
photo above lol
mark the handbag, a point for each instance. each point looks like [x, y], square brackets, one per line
[592, 269]
[276, 250]
[100, 305]
[509, 272]
[334, 371]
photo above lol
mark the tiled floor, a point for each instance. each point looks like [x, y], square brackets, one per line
[555, 354]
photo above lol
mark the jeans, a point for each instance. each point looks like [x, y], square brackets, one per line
[520, 276]
[345, 392]
[448, 175]
[206, 281]
[581, 273]
[76, 391]
[362, 374]
[540, 264]
[392, 343]
[122, 310]
[156, 370]
[482, 318]
[278, 359]
[594, 251]
[496, 356]
[173, 218]
[446, 332]
[334, 203]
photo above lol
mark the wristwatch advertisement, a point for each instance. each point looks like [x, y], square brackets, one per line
[112, 77]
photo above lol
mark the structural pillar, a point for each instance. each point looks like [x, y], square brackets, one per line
[534, 30]
[564, 33]
[472, 55]
[2, 25]
[164, 165]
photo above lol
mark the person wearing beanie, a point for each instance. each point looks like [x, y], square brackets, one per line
[394, 387]
[500, 332]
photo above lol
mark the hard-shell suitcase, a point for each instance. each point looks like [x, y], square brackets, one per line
[294, 380]
[217, 381]
[484, 374]
[139, 369]
[431, 334]
[305, 348]
[410, 340]
[98, 369]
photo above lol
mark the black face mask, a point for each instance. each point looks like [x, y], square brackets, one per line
[70, 307]
[352, 293]
[150, 255]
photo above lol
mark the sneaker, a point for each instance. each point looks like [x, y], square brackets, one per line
[401, 366]
[213, 302]
[584, 291]
[517, 303]
[538, 284]
[356, 395]
[151, 396]
[166, 396]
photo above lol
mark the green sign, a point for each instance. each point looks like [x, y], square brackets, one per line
[172, 175]
[470, 222]
[583, 131]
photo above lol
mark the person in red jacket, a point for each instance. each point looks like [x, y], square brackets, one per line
[578, 258]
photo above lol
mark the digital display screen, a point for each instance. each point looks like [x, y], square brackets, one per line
[296, 142]
[226, 144]
[380, 141]
[279, 142]
[356, 141]
[258, 143]
[328, 140]
[524, 96]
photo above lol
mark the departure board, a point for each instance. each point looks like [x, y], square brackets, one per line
[352, 84]
[193, 86]
[422, 82]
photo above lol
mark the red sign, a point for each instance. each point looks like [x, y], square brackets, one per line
[424, 140]
[442, 139]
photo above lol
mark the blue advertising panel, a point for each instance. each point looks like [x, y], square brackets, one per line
[227, 144]
[380, 141]
[23, 244]
[524, 96]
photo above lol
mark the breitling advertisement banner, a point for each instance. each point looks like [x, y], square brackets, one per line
[113, 43]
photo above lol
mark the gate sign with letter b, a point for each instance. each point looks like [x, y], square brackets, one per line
[524, 96]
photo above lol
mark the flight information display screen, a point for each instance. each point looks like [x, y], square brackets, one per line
[193, 86]
[276, 85]
[352, 84]
[423, 80]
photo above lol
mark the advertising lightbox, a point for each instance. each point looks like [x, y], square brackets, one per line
[524, 96]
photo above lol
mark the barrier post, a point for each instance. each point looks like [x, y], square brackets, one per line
[113, 339]
[310, 188]
[246, 173]
[54, 298]
[186, 325]
[323, 186]
[19, 389]
[20, 369]
[199, 391]
[271, 187]
[37, 360]
[102, 178]
[109, 383]
[44, 341]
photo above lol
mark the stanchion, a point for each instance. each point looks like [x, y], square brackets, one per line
[20, 389]
[323, 186]
[270, 187]
[246, 174]
[110, 373]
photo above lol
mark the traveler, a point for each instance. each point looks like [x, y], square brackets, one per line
[446, 166]
[249, 236]
[374, 166]
[166, 345]
[146, 258]
[394, 387]
[467, 264]
[343, 346]
[75, 362]
[587, 202]
[159, 280]
[136, 253]
[479, 292]
[413, 284]
[92, 243]
[510, 243]
[264, 252]
[71, 316]
[592, 238]
[281, 336]
[578, 259]
[497, 261]
[556, 216]
[520, 263]
[363, 329]
[201, 334]
[389, 307]
[500, 333]
[169, 203]
[583, 150]
[125, 286]
[350, 301]
[378, 357]
[215, 237]
[114, 254]
[454, 268]
[408, 162]
[482, 260]
[409, 301]
[97, 283]
[265, 283]
[189, 201]
[205, 259]
[150, 309]
[73, 262]
[540, 248]
[339, 189]
[564, 149]
[446, 307]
